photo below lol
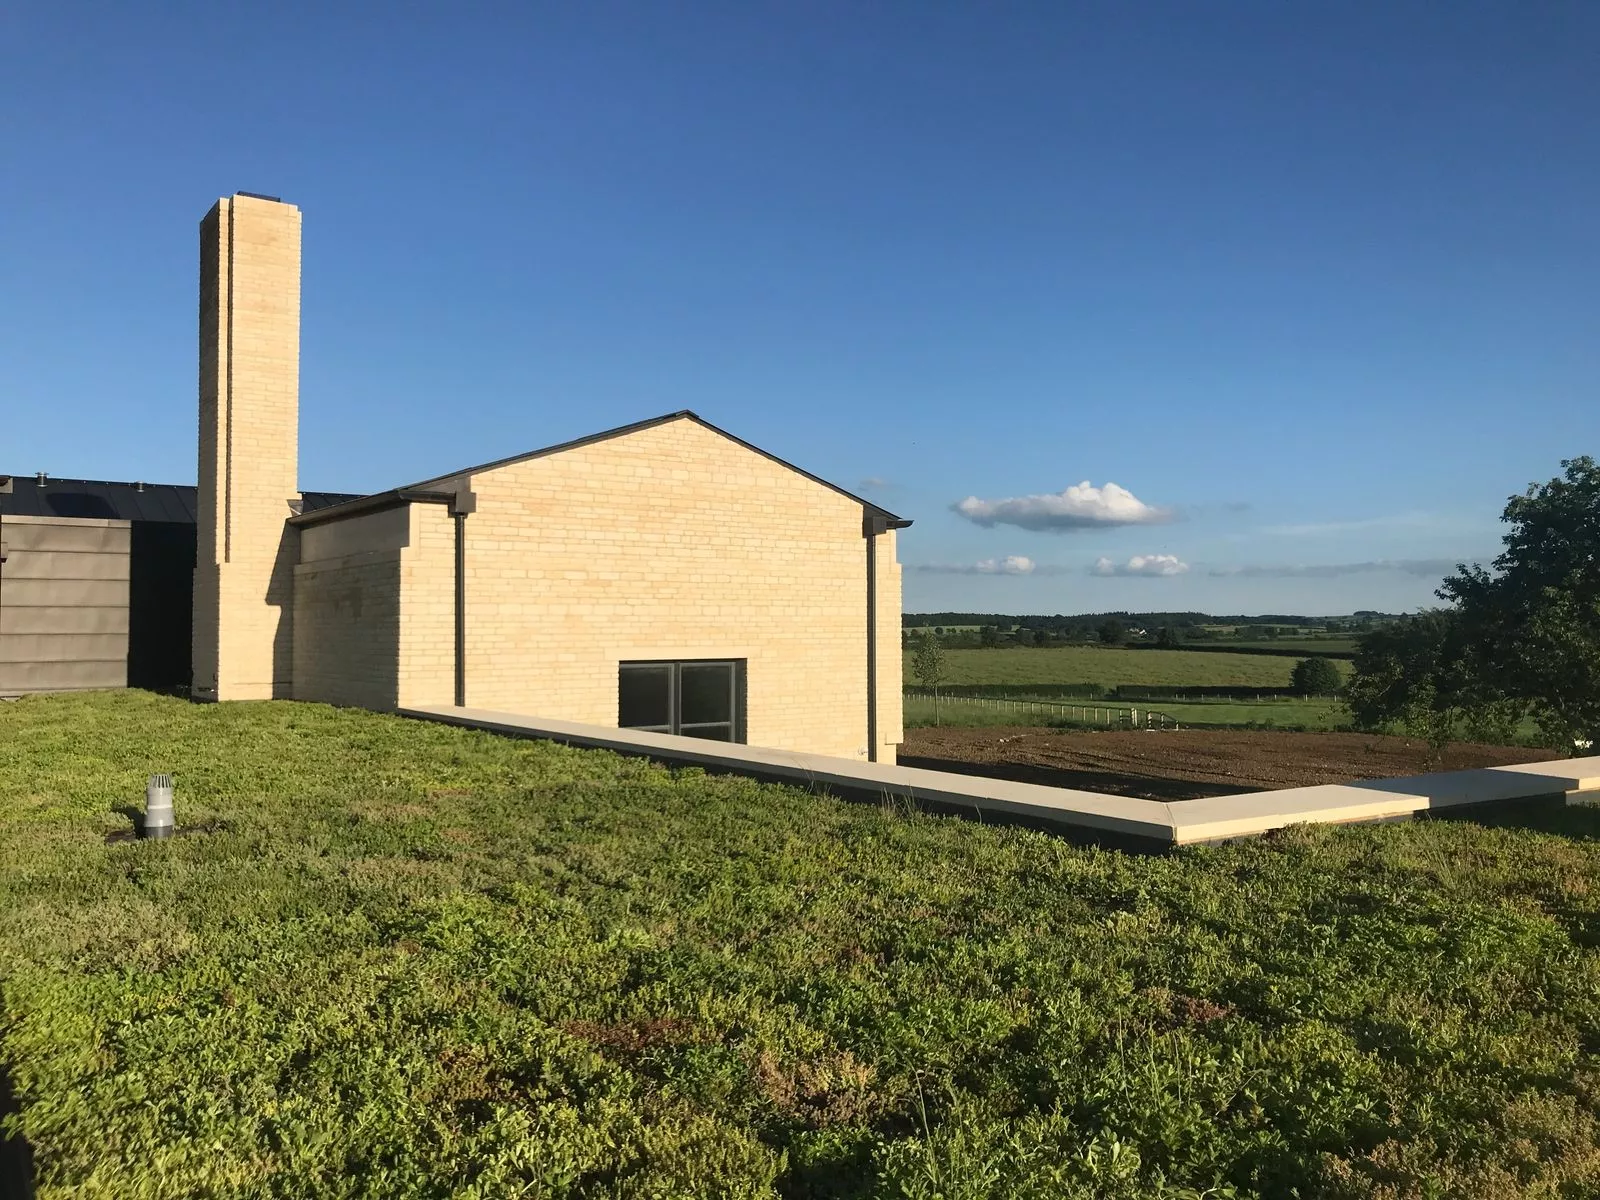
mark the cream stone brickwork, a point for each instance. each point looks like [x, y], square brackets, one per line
[426, 659]
[675, 542]
[249, 446]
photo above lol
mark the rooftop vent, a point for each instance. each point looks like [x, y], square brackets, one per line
[158, 807]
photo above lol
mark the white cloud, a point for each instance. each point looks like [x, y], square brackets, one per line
[1082, 506]
[1012, 564]
[1160, 566]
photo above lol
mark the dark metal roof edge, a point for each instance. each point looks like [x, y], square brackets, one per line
[61, 481]
[378, 502]
[638, 426]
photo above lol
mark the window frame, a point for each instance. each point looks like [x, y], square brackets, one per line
[675, 724]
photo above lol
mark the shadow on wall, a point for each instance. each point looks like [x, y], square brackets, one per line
[346, 624]
[280, 595]
[160, 605]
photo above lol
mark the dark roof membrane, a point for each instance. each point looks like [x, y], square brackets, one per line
[101, 499]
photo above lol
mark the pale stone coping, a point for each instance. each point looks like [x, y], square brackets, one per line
[1116, 814]
[1581, 774]
[1179, 822]
[1380, 799]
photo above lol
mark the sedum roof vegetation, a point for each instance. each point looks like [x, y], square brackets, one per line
[410, 960]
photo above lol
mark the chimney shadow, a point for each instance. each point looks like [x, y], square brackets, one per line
[16, 1154]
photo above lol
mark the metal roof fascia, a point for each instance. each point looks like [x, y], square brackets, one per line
[371, 504]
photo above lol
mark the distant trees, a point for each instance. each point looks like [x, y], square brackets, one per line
[1316, 677]
[1112, 633]
[1168, 638]
[928, 665]
[1522, 640]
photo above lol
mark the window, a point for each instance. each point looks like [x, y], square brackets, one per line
[701, 698]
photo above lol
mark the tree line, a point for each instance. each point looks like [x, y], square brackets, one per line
[1518, 641]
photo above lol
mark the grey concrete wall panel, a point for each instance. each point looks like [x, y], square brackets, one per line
[63, 647]
[18, 679]
[63, 620]
[63, 603]
[63, 593]
[49, 535]
[65, 564]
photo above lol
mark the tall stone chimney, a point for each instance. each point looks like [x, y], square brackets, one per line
[249, 448]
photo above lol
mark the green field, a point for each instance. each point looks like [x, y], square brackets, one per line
[1311, 715]
[1108, 667]
[405, 960]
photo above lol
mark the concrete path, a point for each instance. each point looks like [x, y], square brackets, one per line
[1122, 819]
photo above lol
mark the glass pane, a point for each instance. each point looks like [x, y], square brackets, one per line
[705, 694]
[644, 696]
[715, 733]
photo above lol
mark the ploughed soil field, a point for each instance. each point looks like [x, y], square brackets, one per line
[1187, 764]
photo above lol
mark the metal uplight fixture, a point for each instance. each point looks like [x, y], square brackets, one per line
[158, 808]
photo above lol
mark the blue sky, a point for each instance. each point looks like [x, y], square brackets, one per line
[1312, 284]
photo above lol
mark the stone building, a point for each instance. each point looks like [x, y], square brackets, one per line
[665, 575]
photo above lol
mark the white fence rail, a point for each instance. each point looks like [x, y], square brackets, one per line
[1108, 716]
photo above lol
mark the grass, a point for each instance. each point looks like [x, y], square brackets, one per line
[1109, 667]
[1311, 715]
[413, 961]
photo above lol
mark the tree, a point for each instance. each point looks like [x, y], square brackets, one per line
[989, 635]
[1535, 622]
[1316, 677]
[1424, 674]
[927, 664]
[1168, 638]
[1112, 633]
